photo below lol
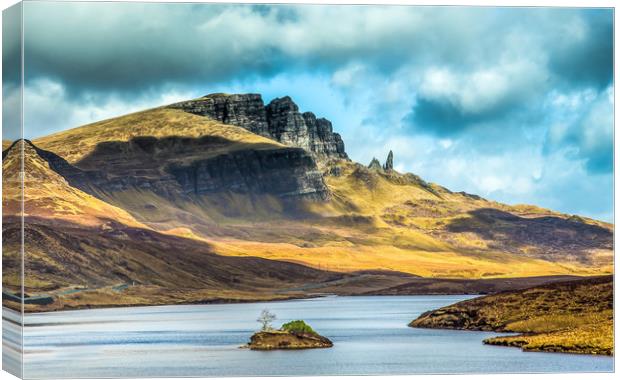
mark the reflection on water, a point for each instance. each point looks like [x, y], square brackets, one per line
[370, 336]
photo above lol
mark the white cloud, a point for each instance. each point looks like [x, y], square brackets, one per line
[484, 90]
[47, 108]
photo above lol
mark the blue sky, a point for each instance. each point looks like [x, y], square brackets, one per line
[513, 104]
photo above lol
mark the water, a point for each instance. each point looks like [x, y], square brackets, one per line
[370, 336]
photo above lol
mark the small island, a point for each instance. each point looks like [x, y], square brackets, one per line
[294, 335]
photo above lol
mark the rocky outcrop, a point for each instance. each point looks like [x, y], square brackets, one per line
[246, 110]
[324, 142]
[280, 120]
[285, 340]
[375, 164]
[288, 126]
[389, 163]
[388, 167]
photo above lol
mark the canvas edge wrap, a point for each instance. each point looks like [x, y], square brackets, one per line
[12, 181]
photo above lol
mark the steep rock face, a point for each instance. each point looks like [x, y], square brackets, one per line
[176, 167]
[286, 173]
[389, 163]
[286, 124]
[246, 110]
[280, 120]
[323, 140]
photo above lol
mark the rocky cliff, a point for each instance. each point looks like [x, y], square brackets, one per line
[177, 167]
[246, 111]
[287, 172]
[280, 120]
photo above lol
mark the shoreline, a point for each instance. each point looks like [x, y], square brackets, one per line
[222, 301]
[428, 286]
[539, 319]
[231, 302]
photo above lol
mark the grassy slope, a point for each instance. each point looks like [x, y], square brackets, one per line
[92, 267]
[48, 195]
[374, 221]
[75, 144]
[367, 226]
[574, 316]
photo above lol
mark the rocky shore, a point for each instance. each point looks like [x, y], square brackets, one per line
[570, 317]
[294, 335]
[285, 340]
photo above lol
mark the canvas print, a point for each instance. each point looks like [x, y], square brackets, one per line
[212, 190]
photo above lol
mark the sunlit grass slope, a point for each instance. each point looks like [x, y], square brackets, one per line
[574, 316]
[399, 222]
[74, 144]
[47, 195]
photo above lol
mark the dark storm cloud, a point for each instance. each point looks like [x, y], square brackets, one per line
[137, 46]
[11, 46]
[443, 118]
[11, 73]
[587, 58]
[133, 48]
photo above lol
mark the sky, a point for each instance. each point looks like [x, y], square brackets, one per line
[513, 104]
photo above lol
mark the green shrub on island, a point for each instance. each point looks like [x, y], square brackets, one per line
[298, 327]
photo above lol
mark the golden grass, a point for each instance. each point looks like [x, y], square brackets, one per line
[6, 144]
[592, 335]
[341, 239]
[575, 316]
[48, 195]
[347, 257]
[74, 144]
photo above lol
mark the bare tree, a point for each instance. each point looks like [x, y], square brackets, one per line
[265, 319]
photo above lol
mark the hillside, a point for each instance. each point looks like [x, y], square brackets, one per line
[48, 195]
[159, 205]
[172, 169]
[574, 316]
[85, 252]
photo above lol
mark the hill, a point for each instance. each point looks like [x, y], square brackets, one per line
[133, 187]
[173, 168]
[86, 253]
[574, 316]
